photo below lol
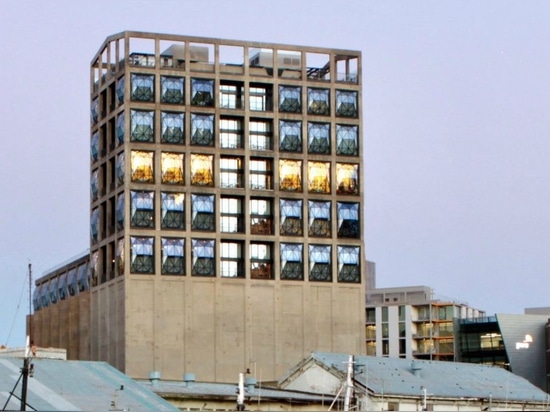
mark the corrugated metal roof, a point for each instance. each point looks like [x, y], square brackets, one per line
[59, 385]
[441, 379]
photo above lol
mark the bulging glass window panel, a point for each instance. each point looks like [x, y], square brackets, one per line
[203, 217]
[318, 136]
[204, 263]
[290, 175]
[320, 263]
[260, 174]
[53, 291]
[120, 260]
[94, 225]
[319, 218]
[171, 89]
[173, 126]
[120, 207]
[346, 103]
[142, 254]
[231, 133]
[94, 111]
[291, 217]
[202, 92]
[349, 268]
[290, 99]
[348, 220]
[231, 262]
[231, 171]
[142, 209]
[261, 264]
[119, 91]
[92, 273]
[260, 135]
[120, 168]
[347, 176]
[292, 265]
[173, 210]
[201, 170]
[202, 130]
[142, 87]
[231, 215]
[72, 284]
[318, 177]
[94, 182]
[347, 140]
[173, 256]
[290, 136]
[318, 101]
[44, 295]
[36, 302]
[172, 168]
[142, 166]
[141, 129]
[94, 147]
[120, 129]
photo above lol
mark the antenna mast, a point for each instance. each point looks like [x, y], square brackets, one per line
[30, 303]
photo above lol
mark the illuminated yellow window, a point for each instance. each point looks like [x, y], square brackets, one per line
[290, 175]
[201, 170]
[318, 177]
[347, 176]
[142, 166]
[172, 168]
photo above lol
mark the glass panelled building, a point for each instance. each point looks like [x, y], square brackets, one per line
[226, 209]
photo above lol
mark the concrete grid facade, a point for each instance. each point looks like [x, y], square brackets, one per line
[226, 211]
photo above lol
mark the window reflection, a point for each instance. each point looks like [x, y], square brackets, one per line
[142, 254]
[320, 267]
[261, 217]
[141, 126]
[142, 209]
[348, 220]
[292, 267]
[172, 168]
[318, 101]
[347, 176]
[260, 261]
[203, 217]
[346, 103]
[318, 138]
[142, 166]
[318, 177]
[201, 170]
[173, 256]
[142, 87]
[290, 99]
[173, 127]
[290, 175]
[202, 92]
[347, 140]
[349, 264]
[291, 217]
[203, 257]
[202, 130]
[319, 218]
[290, 136]
[173, 210]
[171, 89]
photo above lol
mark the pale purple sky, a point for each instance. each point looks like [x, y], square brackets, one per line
[456, 132]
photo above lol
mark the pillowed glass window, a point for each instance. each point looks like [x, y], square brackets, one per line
[142, 166]
[318, 101]
[260, 135]
[261, 264]
[92, 274]
[120, 260]
[261, 217]
[120, 129]
[319, 218]
[142, 254]
[231, 133]
[320, 266]
[203, 217]
[94, 147]
[318, 138]
[347, 176]
[120, 90]
[347, 142]
[94, 182]
[141, 128]
[231, 262]
[171, 89]
[231, 172]
[290, 99]
[291, 217]
[290, 136]
[260, 174]
[204, 263]
[120, 214]
[172, 168]
[72, 282]
[36, 302]
[292, 261]
[202, 130]
[120, 168]
[231, 95]
[94, 111]
[349, 268]
[346, 103]
[290, 175]
[231, 215]
[44, 295]
[94, 225]
[53, 291]
[172, 210]
[173, 256]
[173, 127]
[202, 92]
[348, 220]
[201, 170]
[260, 97]
[142, 87]
[62, 289]
[318, 174]
[143, 209]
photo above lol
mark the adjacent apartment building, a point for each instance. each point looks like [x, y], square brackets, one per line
[226, 210]
[414, 323]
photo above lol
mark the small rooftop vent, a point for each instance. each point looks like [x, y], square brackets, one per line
[188, 379]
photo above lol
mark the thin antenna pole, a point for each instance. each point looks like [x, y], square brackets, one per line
[30, 303]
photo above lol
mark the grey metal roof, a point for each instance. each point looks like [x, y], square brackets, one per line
[59, 385]
[393, 376]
